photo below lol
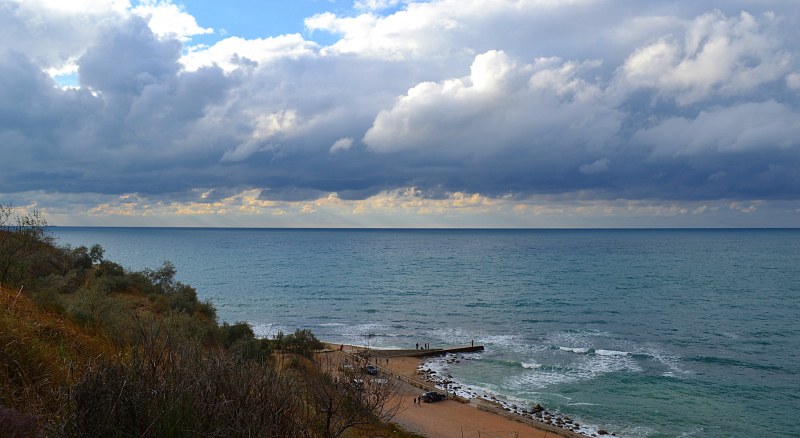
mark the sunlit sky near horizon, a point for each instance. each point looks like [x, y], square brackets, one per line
[396, 113]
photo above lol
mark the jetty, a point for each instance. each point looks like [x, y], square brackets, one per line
[426, 352]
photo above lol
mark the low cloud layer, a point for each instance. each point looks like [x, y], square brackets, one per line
[516, 102]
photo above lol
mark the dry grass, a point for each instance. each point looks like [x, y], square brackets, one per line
[41, 353]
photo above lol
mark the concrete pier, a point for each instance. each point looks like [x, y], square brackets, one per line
[425, 353]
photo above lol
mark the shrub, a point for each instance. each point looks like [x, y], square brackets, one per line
[240, 339]
[172, 389]
[302, 342]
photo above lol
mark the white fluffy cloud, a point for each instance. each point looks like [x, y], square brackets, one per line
[235, 52]
[715, 55]
[502, 105]
[169, 20]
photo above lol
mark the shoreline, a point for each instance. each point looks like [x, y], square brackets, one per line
[458, 416]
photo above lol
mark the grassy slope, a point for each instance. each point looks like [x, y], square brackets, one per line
[40, 352]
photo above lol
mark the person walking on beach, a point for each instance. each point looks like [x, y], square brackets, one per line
[417, 345]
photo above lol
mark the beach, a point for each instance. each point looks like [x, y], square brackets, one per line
[455, 417]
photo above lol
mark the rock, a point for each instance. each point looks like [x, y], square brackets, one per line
[602, 432]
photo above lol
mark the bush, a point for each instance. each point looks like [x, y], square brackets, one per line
[302, 342]
[173, 389]
[240, 339]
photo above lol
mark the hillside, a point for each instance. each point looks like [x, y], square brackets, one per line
[88, 348]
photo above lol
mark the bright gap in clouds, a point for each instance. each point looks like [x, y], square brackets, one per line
[251, 19]
[67, 80]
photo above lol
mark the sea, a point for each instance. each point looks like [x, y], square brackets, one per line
[643, 333]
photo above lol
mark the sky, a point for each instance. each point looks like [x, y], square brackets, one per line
[402, 113]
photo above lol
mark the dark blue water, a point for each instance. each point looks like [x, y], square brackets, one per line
[647, 333]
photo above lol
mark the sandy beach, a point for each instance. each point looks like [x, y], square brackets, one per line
[451, 418]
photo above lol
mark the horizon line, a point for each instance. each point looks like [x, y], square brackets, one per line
[421, 228]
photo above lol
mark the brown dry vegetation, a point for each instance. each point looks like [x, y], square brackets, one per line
[41, 353]
[88, 348]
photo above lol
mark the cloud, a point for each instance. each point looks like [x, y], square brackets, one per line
[483, 104]
[501, 108]
[716, 55]
[342, 144]
[52, 33]
[234, 52]
[169, 20]
[600, 165]
[763, 126]
[793, 81]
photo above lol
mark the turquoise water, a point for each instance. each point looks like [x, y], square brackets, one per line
[646, 333]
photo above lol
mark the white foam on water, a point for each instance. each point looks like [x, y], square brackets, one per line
[579, 350]
[612, 353]
[331, 324]
[268, 330]
[599, 364]
[540, 379]
[530, 365]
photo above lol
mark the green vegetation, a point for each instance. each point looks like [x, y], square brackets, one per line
[88, 348]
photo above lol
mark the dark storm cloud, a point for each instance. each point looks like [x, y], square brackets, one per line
[137, 124]
[682, 100]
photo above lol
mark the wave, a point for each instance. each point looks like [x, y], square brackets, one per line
[578, 350]
[599, 352]
[612, 353]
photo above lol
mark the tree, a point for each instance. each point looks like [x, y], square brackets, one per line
[163, 277]
[96, 253]
[339, 395]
